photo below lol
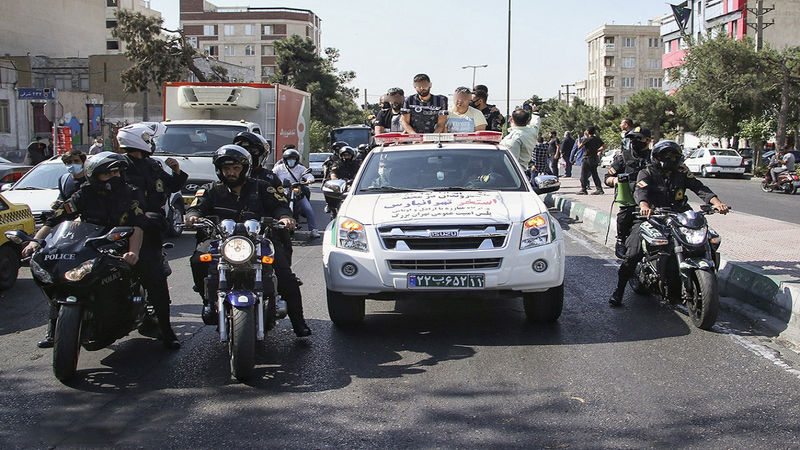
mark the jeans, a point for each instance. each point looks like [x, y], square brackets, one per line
[308, 212]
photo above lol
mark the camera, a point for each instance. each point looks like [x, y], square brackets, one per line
[624, 178]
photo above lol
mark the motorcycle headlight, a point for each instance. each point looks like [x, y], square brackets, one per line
[237, 250]
[351, 235]
[78, 273]
[694, 237]
[536, 231]
[40, 274]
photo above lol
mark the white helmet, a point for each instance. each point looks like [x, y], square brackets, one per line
[139, 136]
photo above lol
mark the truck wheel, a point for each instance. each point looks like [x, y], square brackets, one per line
[9, 266]
[67, 342]
[345, 311]
[544, 306]
[242, 342]
[704, 304]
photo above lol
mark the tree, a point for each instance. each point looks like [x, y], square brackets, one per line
[756, 130]
[785, 69]
[157, 57]
[298, 65]
[654, 109]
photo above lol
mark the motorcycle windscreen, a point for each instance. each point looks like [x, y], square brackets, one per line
[71, 236]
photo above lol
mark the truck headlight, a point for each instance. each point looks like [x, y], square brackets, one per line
[237, 250]
[78, 273]
[350, 235]
[537, 230]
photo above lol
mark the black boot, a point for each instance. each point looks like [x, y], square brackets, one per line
[300, 327]
[47, 342]
[168, 337]
[616, 297]
[620, 249]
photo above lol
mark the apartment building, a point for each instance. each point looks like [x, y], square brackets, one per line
[114, 46]
[245, 35]
[623, 59]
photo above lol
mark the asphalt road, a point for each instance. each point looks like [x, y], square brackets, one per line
[450, 374]
[746, 196]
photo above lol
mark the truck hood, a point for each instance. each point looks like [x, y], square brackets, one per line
[434, 207]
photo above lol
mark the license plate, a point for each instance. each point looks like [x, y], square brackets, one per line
[458, 281]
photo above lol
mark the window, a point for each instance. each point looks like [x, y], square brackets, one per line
[609, 61]
[229, 50]
[111, 3]
[629, 42]
[667, 46]
[111, 23]
[84, 82]
[63, 82]
[5, 123]
[608, 101]
[249, 29]
[192, 40]
[267, 71]
[249, 50]
[655, 82]
[208, 30]
[653, 63]
[112, 45]
[609, 81]
[653, 42]
[628, 82]
[628, 62]
[608, 40]
[624, 100]
[212, 50]
[734, 24]
[228, 30]
[267, 30]
[267, 50]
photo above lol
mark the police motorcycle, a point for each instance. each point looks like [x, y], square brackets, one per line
[81, 271]
[244, 285]
[295, 192]
[680, 262]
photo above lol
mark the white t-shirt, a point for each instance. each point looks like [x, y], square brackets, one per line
[464, 123]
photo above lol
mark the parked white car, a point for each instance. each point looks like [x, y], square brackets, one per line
[708, 161]
[608, 157]
[38, 188]
[435, 219]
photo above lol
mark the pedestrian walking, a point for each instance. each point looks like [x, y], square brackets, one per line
[593, 147]
[553, 152]
[36, 152]
[539, 166]
[566, 153]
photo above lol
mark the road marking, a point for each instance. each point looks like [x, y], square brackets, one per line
[757, 349]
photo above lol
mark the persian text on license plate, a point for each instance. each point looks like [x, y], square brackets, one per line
[468, 281]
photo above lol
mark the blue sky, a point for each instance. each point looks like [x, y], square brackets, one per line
[387, 42]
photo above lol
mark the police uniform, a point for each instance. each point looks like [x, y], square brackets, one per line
[345, 169]
[100, 207]
[261, 199]
[283, 237]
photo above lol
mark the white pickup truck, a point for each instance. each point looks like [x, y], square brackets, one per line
[441, 215]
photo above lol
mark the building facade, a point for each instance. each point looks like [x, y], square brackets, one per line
[244, 36]
[113, 45]
[622, 59]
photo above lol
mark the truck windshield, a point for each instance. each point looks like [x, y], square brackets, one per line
[197, 140]
[451, 169]
[353, 136]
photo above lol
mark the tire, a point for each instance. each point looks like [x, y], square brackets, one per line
[543, 307]
[9, 266]
[789, 189]
[242, 341]
[765, 186]
[345, 311]
[67, 342]
[174, 218]
[636, 285]
[704, 173]
[704, 306]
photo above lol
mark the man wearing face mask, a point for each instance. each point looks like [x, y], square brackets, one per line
[424, 112]
[494, 118]
[292, 171]
[104, 200]
[662, 184]
[71, 181]
[390, 119]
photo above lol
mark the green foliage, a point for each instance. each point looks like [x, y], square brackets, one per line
[299, 66]
[654, 109]
[318, 134]
[156, 57]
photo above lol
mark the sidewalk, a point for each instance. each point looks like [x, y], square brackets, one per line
[758, 267]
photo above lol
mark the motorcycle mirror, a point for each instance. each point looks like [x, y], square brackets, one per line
[308, 171]
[118, 233]
[18, 237]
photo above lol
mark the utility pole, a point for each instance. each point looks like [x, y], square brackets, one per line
[760, 11]
[566, 86]
[474, 68]
[559, 96]
[365, 98]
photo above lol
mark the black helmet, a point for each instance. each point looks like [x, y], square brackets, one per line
[232, 154]
[349, 150]
[667, 155]
[290, 154]
[337, 146]
[640, 142]
[255, 144]
[104, 162]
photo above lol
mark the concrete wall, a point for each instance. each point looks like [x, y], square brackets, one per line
[55, 28]
[786, 15]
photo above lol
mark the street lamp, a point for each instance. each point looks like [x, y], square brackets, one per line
[474, 68]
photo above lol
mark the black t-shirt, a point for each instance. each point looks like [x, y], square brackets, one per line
[424, 115]
[592, 146]
[552, 147]
[385, 119]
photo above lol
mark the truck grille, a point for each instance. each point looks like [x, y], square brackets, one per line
[444, 264]
[444, 237]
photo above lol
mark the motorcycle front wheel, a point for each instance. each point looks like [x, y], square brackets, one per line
[636, 283]
[703, 303]
[765, 186]
[67, 342]
[242, 341]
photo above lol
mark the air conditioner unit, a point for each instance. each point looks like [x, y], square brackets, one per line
[208, 97]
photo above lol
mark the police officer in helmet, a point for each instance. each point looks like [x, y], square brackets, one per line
[347, 166]
[259, 149]
[104, 200]
[236, 192]
[622, 174]
[156, 185]
[662, 184]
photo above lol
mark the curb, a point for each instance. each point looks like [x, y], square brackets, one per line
[777, 296]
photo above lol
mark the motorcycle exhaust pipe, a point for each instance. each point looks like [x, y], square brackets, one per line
[223, 325]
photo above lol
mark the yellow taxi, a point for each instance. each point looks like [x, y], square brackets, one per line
[13, 216]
